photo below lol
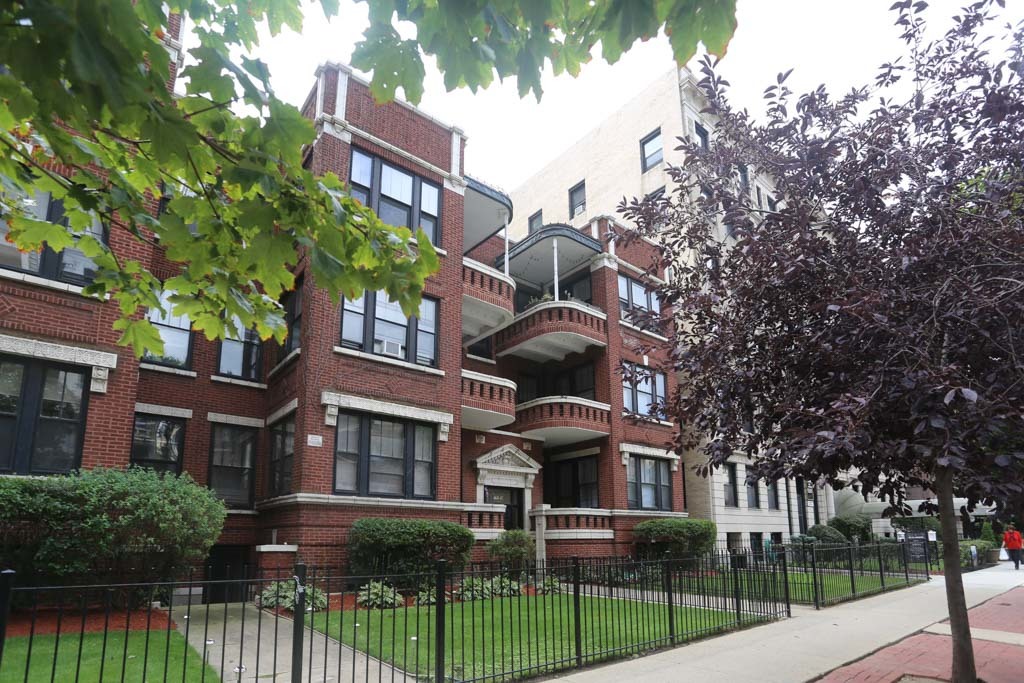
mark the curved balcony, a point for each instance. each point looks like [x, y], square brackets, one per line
[488, 402]
[561, 420]
[487, 300]
[551, 330]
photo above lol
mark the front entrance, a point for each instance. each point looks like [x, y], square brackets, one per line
[512, 499]
[228, 563]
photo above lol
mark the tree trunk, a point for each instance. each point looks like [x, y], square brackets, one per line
[963, 651]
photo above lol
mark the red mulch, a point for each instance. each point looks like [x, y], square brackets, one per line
[20, 622]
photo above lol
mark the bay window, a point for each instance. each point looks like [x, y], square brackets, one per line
[233, 463]
[282, 455]
[644, 391]
[175, 332]
[572, 483]
[379, 456]
[158, 442]
[292, 305]
[375, 324]
[241, 355]
[649, 484]
[398, 197]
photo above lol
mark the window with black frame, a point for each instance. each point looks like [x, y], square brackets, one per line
[644, 391]
[773, 495]
[753, 495]
[398, 197]
[577, 288]
[375, 324]
[378, 456]
[572, 483]
[70, 265]
[242, 355]
[233, 463]
[703, 138]
[176, 333]
[535, 222]
[292, 305]
[578, 199]
[282, 455]
[639, 305]
[552, 381]
[42, 415]
[649, 483]
[731, 490]
[481, 348]
[158, 442]
[651, 151]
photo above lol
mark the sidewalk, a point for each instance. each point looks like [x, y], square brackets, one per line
[812, 643]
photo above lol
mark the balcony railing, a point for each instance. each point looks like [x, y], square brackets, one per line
[488, 402]
[551, 330]
[488, 297]
[572, 523]
[563, 419]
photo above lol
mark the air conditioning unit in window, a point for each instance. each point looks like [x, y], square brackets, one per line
[393, 348]
[579, 210]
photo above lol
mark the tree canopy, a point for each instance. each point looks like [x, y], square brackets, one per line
[86, 115]
[855, 318]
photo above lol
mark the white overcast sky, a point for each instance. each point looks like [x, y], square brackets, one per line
[837, 42]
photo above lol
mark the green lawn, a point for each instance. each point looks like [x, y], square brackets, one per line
[833, 585]
[527, 635]
[93, 659]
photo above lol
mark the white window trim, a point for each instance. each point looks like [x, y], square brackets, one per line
[168, 370]
[238, 382]
[341, 350]
[239, 420]
[284, 361]
[284, 411]
[640, 330]
[628, 449]
[163, 411]
[335, 401]
[30, 279]
[102, 362]
[481, 359]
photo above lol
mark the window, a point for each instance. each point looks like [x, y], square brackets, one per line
[387, 332]
[760, 198]
[42, 416]
[536, 221]
[176, 333]
[292, 305]
[753, 495]
[651, 152]
[577, 381]
[731, 492]
[745, 180]
[578, 288]
[282, 453]
[398, 197]
[757, 542]
[158, 442]
[482, 348]
[650, 484]
[636, 302]
[233, 464]
[376, 456]
[241, 356]
[773, 495]
[772, 204]
[167, 196]
[572, 483]
[703, 139]
[70, 265]
[643, 391]
[578, 200]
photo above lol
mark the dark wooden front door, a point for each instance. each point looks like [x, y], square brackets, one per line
[512, 499]
[228, 563]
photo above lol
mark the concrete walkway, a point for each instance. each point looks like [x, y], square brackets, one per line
[217, 634]
[810, 644]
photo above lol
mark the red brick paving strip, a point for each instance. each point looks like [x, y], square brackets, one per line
[1002, 613]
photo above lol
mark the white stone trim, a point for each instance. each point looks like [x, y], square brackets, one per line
[486, 534]
[337, 400]
[238, 382]
[373, 357]
[578, 534]
[456, 153]
[487, 270]
[251, 513]
[166, 369]
[507, 466]
[240, 420]
[164, 411]
[595, 450]
[30, 279]
[341, 94]
[491, 379]
[596, 312]
[640, 330]
[359, 501]
[283, 411]
[648, 513]
[628, 449]
[604, 260]
[320, 87]
[481, 359]
[277, 548]
[555, 512]
[544, 400]
[101, 362]
[284, 361]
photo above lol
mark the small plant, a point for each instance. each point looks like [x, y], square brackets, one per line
[504, 587]
[428, 596]
[513, 548]
[282, 594]
[473, 589]
[987, 533]
[550, 585]
[828, 534]
[379, 595]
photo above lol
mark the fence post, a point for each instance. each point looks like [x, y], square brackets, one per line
[927, 560]
[736, 590]
[298, 623]
[881, 567]
[6, 584]
[785, 583]
[814, 578]
[906, 563]
[440, 584]
[853, 579]
[666, 574]
[577, 622]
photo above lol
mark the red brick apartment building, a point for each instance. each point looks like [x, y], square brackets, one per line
[496, 407]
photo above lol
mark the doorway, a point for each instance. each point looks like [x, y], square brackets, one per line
[512, 499]
[231, 563]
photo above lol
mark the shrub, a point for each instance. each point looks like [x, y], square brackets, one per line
[106, 525]
[513, 548]
[987, 533]
[379, 595]
[827, 534]
[504, 587]
[406, 546]
[282, 594]
[675, 538]
[855, 527]
[802, 539]
[965, 551]
[927, 523]
[550, 585]
[427, 595]
[473, 589]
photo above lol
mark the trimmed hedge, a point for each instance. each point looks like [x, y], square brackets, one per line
[965, 551]
[106, 525]
[828, 534]
[676, 538]
[406, 546]
[512, 547]
[854, 527]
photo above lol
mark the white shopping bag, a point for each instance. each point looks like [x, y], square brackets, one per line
[1003, 555]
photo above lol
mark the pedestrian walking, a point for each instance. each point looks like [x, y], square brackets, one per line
[1013, 542]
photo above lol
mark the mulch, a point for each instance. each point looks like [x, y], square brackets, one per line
[20, 622]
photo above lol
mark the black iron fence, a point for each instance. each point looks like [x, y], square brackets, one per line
[823, 574]
[483, 623]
